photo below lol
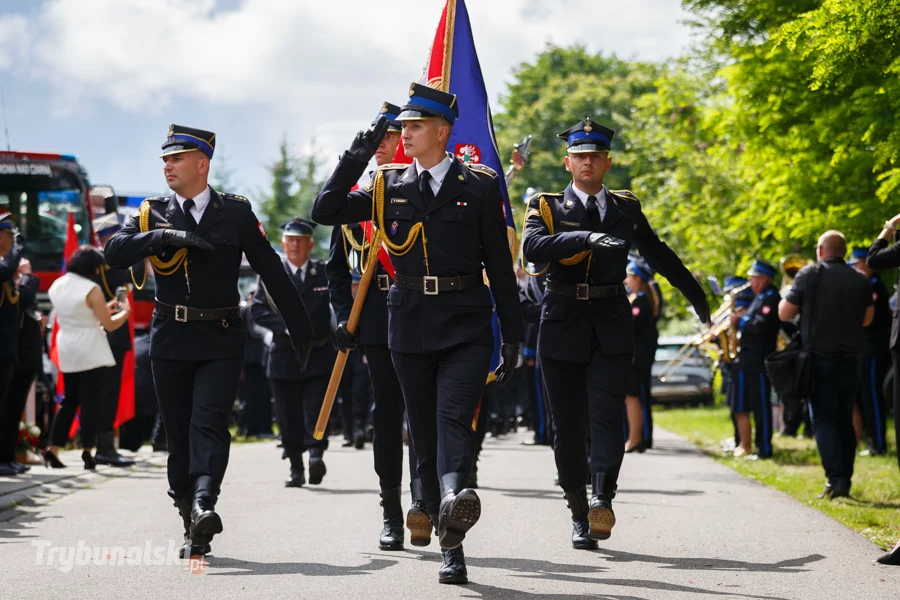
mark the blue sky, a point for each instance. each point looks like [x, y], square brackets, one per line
[102, 79]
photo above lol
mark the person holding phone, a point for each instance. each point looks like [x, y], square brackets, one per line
[84, 353]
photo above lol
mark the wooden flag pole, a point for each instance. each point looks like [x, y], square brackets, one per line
[352, 324]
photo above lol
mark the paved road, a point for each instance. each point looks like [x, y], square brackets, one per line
[687, 528]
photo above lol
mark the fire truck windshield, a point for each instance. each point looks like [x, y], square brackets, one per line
[40, 195]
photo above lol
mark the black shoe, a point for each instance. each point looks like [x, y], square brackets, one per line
[19, 467]
[359, 439]
[891, 558]
[473, 479]
[392, 531]
[601, 518]
[836, 489]
[298, 474]
[454, 568]
[578, 504]
[458, 513]
[7, 470]
[348, 443]
[89, 463]
[640, 447]
[160, 447]
[317, 470]
[107, 454]
[205, 521]
[188, 548]
[51, 461]
[419, 524]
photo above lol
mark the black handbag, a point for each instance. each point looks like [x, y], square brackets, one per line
[790, 369]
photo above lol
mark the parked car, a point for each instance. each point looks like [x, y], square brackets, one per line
[690, 382]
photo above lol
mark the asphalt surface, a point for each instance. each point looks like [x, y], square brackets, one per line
[687, 528]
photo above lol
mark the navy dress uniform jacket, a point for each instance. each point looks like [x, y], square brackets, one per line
[465, 232]
[645, 333]
[759, 331]
[229, 224]
[878, 333]
[372, 327]
[567, 324]
[281, 362]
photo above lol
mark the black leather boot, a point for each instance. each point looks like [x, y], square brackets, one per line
[392, 532]
[891, 558]
[601, 517]
[188, 549]
[298, 474]
[417, 520]
[107, 454]
[454, 568]
[316, 466]
[578, 504]
[205, 522]
[460, 510]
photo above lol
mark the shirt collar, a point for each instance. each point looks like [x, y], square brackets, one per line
[601, 197]
[438, 171]
[295, 268]
[200, 200]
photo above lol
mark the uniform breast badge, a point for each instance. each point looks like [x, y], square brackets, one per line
[394, 227]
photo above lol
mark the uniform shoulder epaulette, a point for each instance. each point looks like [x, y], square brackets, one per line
[479, 168]
[234, 197]
[626, 194]
[157, 199]
[390, 166]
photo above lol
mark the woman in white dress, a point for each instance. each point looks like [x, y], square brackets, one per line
[84, 352]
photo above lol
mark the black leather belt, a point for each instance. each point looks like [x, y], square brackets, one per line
[183, 314]
[583, 291]
[432, 286]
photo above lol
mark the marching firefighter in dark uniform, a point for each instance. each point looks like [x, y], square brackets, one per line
[195, 239]
[349, 244]
[586, 343]
[875, 360]
[298, 393]
[443, 224]
[749, 387]
[11, 248]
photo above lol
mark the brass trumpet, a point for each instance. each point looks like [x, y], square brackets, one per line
[720, 330]
[790, 266]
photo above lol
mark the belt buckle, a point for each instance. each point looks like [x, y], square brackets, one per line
[181, 313]
[582, 291]
[384, 282]
[430, 285]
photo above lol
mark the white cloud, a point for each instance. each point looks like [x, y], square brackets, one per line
[324, 65]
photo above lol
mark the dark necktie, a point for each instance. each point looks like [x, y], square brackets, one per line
[593, 213]
[425, 188]
[189, 223]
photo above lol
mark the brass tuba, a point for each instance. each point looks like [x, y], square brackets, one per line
[790, 266]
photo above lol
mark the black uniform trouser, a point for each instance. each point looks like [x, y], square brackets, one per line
[752, 393]
[355, 395]
[256, 417]
[84, 390]
[582, 394]
[835, 381]
[195, 402]
[7, 368]
[387, 420]
[297, 404]
[112, 385]
[872, 370]
[441, 390]
[11, 409]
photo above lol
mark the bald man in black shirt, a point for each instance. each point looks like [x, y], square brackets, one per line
[841, 301]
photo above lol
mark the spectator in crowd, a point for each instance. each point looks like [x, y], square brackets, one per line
[835, 304]
[83, 314]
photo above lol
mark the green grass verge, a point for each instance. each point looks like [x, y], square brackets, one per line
[873, 510]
